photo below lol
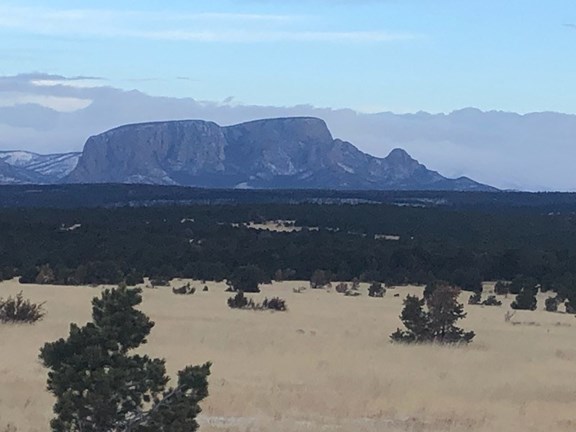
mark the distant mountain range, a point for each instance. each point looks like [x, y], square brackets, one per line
[23, 167]
[533, 151]
[284, 153]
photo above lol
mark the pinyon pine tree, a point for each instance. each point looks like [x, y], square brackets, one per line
[437, 323]
[415, 319]
[100, 387]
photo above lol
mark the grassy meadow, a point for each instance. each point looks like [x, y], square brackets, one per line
[325, 365]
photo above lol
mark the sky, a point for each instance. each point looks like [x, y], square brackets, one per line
[71, 69]
[368, 55]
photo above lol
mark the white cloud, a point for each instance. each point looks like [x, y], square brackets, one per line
[267, 36]
[507, 150]
[79, 83]
[57, 103]
[16, 16]
[61, 94]
[172, 26]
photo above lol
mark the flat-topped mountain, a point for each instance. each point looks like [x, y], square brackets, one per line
[294, 153]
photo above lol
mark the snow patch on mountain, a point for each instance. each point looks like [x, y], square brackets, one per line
[346, 168]
[41, 168]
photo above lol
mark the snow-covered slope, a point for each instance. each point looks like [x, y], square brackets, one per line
[15, 175]
[31, 167]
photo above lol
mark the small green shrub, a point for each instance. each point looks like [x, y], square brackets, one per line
[342, 288]
[275, 303]
[551, 304]
[491, 301]
[185, 289]
[376, 290]
[239, 301]
[475, 299]
[20, 310]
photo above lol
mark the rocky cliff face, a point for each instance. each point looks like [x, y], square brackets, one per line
[156, 153]
[274, 153]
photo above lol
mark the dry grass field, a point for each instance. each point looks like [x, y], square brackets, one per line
[325, 365]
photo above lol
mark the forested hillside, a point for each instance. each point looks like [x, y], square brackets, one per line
[396, 245]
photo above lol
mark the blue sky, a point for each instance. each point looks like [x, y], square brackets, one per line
[369, 55]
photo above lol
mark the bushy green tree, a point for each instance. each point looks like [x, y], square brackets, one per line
[502, 288]
[101, 387]
[437, 323]
[468, 279]
[6, 273]
[319, 279]
[444, 310]
[520, 283]
[416, 321]
[45, 275]
[432, 286]
[246, 278]
[525, 300]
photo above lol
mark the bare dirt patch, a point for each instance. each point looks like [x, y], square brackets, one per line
[276, 226]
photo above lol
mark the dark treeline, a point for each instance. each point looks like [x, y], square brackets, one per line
[119, 195]
[92, 246]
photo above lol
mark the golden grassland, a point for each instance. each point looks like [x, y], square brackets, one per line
[325, 365]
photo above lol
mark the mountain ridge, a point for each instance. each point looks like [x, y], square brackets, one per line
[29, 167]
[284, 152]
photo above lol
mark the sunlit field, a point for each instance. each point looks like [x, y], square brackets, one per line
[325, 365]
